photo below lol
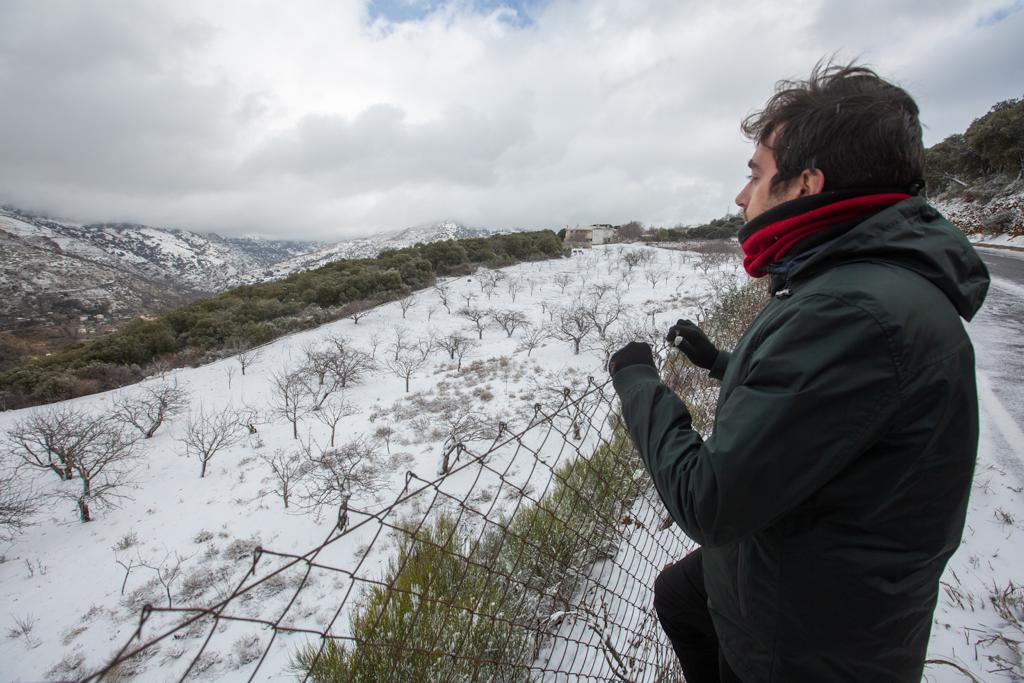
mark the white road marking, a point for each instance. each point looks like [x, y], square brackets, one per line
[1002, 420]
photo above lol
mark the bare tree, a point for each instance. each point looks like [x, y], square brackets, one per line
[332, 412]
[404, 366]
[654, 275]
[563, 280]
[72, 444]
[451, 343]
[533, 336]
[469, 298]
[424, 346]
[631, 259]
[514, 284]
[51, 439]
[460, 427]
[287, 468]
[374, 343]
[318, 362]
[103, 467]
[398, 341]
[289, 397]
[431, 310]
[18, 502]
[208, 432]
[385, 433]
[444, 294]
[602, 315]
[478, 317]
[316, 392]
[348, 364]
[600, 289]
[147, 410]
[464, 350]
[245, 354]
[357, 310]
[405, 304]
[509, 320]
[572, 325]
[532, 284]
[335, 475]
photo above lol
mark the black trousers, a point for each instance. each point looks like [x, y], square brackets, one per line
[681, 602]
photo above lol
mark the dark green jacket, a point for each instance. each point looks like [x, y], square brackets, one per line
[834, 486]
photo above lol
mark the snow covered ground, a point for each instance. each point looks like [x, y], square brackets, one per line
[65, 610]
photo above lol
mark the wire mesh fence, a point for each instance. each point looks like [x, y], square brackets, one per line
[532, 557]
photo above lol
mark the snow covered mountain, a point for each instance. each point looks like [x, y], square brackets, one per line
[187, 260]
[62, 281]
[369, 247]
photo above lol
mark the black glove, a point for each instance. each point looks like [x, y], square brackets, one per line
[633, 353]
[689, 339]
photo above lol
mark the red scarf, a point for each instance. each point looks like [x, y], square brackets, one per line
[770, 243]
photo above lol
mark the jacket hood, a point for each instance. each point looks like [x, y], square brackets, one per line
[915, 236]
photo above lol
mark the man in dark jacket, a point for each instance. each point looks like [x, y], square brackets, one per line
[833, 488]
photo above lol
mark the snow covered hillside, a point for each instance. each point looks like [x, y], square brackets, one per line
[73, 591]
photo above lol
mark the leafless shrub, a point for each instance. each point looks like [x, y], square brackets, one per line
[22, 628]
[126, 541]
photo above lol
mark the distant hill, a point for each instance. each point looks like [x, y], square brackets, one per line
[63, 282]
[976, 178]
[368, 247]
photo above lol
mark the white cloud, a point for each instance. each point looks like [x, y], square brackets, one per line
[309, 118]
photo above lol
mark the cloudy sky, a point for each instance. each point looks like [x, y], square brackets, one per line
[327, 119]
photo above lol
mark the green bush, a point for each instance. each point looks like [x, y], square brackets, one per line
[436, 602]
[447, 594]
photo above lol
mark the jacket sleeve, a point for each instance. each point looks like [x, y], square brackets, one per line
[818, 390]
[717, 370]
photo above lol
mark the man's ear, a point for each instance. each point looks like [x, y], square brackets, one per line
[811, 181]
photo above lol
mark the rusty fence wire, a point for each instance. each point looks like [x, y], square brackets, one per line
[531, 558]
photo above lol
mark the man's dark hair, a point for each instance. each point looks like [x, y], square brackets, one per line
[858, 129]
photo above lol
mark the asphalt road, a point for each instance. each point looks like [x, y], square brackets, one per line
[1004, 264]
[998, 335]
